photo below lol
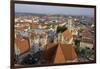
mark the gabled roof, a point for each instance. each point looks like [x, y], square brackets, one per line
[49, 51]
[68, 51]
[59, 57]
[64, 52]
[59, 53]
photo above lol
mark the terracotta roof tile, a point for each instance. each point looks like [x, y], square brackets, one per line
[67, 35]
[49, 51]
[59, 53]
[59, 57]
[22, 44]
[68, 51]
[34, 26]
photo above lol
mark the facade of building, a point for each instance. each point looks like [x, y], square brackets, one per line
[86, 44]
[87, 39]
[65, 38]
[40, 39]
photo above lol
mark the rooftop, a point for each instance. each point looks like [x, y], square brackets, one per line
[59, 53]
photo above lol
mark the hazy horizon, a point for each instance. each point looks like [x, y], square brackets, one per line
[55, 10]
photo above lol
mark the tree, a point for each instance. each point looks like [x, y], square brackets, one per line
[77, 43]
[61, 29]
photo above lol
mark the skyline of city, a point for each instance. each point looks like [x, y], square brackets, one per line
[44, 9]
[53, 38]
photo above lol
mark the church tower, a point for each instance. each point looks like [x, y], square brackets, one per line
[70, 22]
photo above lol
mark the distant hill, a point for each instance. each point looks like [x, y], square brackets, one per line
[27, 14]
[38, 14]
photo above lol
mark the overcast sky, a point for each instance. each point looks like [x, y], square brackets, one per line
[44, 9]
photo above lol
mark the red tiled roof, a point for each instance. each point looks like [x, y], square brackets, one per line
[59, 57]
[67, 35]
[59, 53]
[22, 44]
[64, 52]
[49, 51]
[86, 33]
[68, 51]
[34, 26]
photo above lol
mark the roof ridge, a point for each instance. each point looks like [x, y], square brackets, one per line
[57, 51]
[62, 51]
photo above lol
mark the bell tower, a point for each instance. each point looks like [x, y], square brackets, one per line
[70, 21]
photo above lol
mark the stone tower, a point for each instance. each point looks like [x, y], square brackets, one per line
[70, 21]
